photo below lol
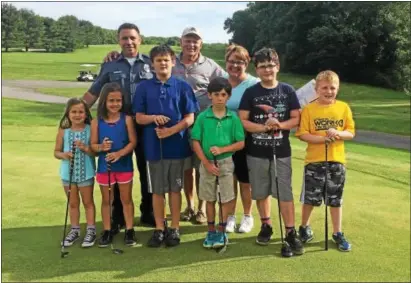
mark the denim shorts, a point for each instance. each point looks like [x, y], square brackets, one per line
[86, 183]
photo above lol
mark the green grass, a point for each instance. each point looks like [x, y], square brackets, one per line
[376, 221]
[56, 66]
[375, 109]
[66, 92]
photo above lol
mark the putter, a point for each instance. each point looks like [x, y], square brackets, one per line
[113, 250]
[325, 198]
[285, 249]
[73, 151]
[217, 184]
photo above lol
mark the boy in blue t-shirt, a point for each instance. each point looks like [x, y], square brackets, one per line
[165, 106]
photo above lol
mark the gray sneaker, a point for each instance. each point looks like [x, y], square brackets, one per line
[71, 237]
[89, 239]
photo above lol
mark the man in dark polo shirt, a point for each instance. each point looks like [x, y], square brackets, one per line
[129, 69]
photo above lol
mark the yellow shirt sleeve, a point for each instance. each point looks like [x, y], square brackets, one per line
[349, 121]
[304, 127]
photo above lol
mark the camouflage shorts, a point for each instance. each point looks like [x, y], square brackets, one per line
[314, 180]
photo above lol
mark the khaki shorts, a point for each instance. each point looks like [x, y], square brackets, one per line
[208, 189]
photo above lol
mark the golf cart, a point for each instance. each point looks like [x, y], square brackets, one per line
[86, 76]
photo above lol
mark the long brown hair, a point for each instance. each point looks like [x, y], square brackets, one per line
[65, 122]
[102, 100]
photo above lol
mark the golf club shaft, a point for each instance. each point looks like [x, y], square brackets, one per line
[278, 191]
[162, 180]
[325, 197]
[73, 151]
[220, 205]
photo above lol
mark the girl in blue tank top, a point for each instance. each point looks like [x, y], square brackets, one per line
[75, 128]
[114, 138]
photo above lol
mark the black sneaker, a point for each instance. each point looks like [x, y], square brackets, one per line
[265, 234]
[294, 242]
[172, 237]
[71, 237]
[105, 239]
[157, 239]
[89, 238]
[306, 234]
[130, 237]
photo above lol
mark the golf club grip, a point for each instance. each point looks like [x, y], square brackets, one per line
[73, 152]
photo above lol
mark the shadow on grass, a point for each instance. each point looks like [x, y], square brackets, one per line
[33, 253]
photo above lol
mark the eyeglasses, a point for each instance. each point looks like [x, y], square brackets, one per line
[269, 66]
[234, 62]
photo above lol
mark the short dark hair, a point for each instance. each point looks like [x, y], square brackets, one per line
[162, 49]
[127, 26]
[218, 84]
[102, 100]
[266, 54]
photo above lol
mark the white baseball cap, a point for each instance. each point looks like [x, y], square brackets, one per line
[191, 30]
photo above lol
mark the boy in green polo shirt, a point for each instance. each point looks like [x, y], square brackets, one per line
[217, 133]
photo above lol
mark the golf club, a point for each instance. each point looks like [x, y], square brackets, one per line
[114, 251]
[220, 207]
[325, 197]
[285, 249]
[162, 181]
[73, 151]
[162, 97]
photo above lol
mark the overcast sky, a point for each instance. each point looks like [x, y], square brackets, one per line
[153, 18]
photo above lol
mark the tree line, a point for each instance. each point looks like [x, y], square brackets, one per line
[365, 42]
[22, 27]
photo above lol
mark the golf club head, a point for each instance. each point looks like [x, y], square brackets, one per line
[221, 250]
[64, 254]
[117, 251]
[286, 250]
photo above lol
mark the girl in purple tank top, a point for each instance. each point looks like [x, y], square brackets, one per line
[114, 138]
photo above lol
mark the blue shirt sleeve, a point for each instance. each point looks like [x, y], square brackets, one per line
[189, 100]
[139, 103]
[100, 81]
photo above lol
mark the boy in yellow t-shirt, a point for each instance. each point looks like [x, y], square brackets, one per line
[330, 121]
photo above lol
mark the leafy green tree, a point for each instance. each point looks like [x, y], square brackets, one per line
[32, 28]
[10, 26]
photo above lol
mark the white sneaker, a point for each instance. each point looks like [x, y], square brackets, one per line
[230, 224]
[247, 224]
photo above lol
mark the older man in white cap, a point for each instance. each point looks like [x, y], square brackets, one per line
[198, 71]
